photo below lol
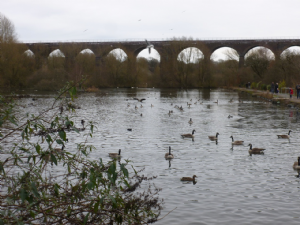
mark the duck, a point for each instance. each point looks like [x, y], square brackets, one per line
[190, 121]
[188, 135]
[236, 142]
[296, 165]
[188, 178]
[115, 155]
[214, 138]
[255, 150]
[169, 155]
[284, 136]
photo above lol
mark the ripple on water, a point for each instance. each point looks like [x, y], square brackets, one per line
[232, 187]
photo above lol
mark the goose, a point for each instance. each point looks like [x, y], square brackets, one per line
[214, 138]
[190, 121]
[140, 100]
[255, 150]
[188, 135]
[284, 136]
[82, 123]
[136, 107]
[115, 155]
[169, 155]
[217, 101]
[188, 178]
[188, 104]
[236, 142]
[152, 105]
[59, 149]
[296, 165]
[229, 116]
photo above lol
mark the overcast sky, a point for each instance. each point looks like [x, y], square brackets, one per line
[40, 20]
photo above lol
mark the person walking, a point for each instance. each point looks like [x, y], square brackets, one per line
[298, 90]
[276, 88]
[291, 92]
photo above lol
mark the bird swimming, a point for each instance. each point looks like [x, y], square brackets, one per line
[255, 150]
[284, 136]
[115, 155]
[169, 155]
[236, 142]
[188, 135]
[188, 178]
[214, 138]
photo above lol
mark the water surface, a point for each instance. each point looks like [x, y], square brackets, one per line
[232, 187]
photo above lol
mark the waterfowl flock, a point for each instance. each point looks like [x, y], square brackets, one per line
[252, 150]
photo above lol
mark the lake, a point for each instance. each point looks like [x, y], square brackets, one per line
[232, 186]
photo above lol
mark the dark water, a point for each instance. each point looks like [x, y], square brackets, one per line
[232, 187]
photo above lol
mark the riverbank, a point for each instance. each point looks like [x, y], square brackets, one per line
[280, 98]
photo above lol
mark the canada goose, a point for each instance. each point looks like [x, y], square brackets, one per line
[141, 114]
[296, 165]
[229, 116]
[190, 121]
[115, 155]
[231, 100]
[141, 106]
[188, 104]
[152, 105]
[214, 138]
[59, 149]
[255, 150]
[188, 178]
[82, 123]
[236, 142]
[284, 136]
[169, 155]
[217, 101]
[188, 135]
[140, 100]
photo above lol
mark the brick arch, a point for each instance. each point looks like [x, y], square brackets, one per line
[188, 48]
[261, 46]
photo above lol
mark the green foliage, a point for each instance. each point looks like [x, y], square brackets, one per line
[253, 85]
[281, 84]
[84, 191]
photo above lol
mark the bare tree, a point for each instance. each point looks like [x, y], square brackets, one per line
[7, 30]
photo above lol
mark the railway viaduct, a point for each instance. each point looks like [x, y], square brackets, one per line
[168, 50]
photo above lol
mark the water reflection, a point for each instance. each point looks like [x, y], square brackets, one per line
[229, 178]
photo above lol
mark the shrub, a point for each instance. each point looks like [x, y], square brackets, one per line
[83, 192]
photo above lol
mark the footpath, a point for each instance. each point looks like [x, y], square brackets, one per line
[279, 98]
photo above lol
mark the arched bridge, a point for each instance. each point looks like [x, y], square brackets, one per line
[168, 50]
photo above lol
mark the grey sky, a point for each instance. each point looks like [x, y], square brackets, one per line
[39, 20]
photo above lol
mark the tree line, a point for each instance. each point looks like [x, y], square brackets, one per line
[21, 70]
